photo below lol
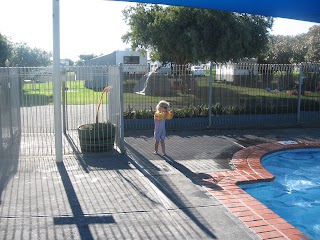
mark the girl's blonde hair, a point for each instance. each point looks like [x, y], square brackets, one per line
[162, 103]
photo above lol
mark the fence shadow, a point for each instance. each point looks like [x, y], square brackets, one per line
[197, 178]
[165, 186]
[9, 161]
[79, 218]
[111, 160]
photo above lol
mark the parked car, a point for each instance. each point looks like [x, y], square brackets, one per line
[198, 71]
[163, 70]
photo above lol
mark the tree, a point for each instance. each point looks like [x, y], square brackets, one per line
[79, 63]
[183, 35]
[294, 49]
[5, 49]
[85, 57]
[312, 39]
[25, 56]
[280, 50]
[71, 63]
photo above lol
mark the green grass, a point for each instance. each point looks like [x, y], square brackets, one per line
[77, 94]
[253, 92]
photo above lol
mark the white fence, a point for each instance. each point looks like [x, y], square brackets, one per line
[258, 95]
[9, 108]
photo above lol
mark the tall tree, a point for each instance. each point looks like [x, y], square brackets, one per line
[280, 50]
[294, 49]
[5, 49]
[184, 35]
[25, 56]
[313, 44]
[71, 63]
[85, 57]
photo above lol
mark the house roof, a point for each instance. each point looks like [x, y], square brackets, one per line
[306, 10]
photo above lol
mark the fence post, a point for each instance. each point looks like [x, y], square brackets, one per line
[210, 96]
[64, 106]
[10, 95]
[1, 137]
[20, 92]
[121, 120]
[56, 81]
[299, 94]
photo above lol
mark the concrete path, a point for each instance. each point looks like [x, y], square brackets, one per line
[133, 196]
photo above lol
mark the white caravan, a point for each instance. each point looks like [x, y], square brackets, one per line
[133, 61]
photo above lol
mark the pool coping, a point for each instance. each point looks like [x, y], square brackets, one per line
[256, 216]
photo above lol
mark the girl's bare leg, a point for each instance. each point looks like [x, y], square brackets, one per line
[163, 146]
[156, 146]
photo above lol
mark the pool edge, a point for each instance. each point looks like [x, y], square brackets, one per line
[248, 169]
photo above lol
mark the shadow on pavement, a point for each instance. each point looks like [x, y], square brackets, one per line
[102, 160]
[76, 152]
[9, 160]
[79, 219]
[167, 189]
[197, 178]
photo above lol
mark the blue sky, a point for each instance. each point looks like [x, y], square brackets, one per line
[86, 26]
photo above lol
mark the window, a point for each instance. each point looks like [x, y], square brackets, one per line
[131, 59]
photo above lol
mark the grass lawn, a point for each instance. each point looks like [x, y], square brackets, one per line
[35, 93]
[76, 93]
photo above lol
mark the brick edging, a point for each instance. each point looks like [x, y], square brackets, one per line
[248, 169]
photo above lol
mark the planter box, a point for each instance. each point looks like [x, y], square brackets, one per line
[96, 137]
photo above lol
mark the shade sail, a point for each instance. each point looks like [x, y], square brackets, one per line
[306, 10]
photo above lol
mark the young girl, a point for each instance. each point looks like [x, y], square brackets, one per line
[161, 115]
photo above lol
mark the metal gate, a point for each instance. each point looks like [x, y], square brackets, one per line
[115, 103]
[80, 99]
[9, 108]
[27, 111]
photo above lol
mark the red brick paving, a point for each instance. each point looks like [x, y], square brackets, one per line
[248, 169]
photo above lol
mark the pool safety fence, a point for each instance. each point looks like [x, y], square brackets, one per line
[223, 95]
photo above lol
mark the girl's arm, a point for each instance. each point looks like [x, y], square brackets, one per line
[169, 115]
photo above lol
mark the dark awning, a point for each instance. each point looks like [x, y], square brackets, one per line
[306, 10]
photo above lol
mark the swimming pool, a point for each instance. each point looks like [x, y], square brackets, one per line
[295, 193]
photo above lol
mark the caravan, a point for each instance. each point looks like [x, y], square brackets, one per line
[96, 74]
[133, 61]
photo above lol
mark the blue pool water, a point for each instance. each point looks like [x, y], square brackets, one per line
[295, 193]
